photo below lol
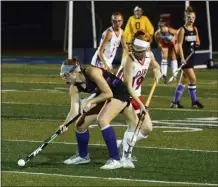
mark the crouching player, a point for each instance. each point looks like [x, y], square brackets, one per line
[166, 38]
[132, 71]
[111, 99]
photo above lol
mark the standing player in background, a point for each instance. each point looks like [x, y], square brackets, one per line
[188, 40]
[110, 41]
[132, 71]
[166, 38]
[137, 22]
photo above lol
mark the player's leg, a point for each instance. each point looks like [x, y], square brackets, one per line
[179, 92]
[192, 87]
[106, 115]
[174, 63]
[82, 135]
[164, 64]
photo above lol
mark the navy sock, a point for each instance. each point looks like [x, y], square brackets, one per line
[83, 140]
[110, 140]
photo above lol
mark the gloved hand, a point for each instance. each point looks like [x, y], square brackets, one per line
[157, 74]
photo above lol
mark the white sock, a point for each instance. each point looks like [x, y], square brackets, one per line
[174, 66]
[141, 136]
[164, 66]
[128, 135]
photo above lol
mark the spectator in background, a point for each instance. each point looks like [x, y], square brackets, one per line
[137, 22]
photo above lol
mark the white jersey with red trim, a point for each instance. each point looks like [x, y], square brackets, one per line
[110, 50]
[166, 37]
[139, 72]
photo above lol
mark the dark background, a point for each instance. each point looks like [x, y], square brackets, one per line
[40, 25]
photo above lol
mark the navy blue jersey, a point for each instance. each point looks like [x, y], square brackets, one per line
[189, 43]
[116, 85]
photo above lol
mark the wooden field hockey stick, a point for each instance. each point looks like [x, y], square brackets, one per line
[180, 67]
[132, 142]
[47, 141]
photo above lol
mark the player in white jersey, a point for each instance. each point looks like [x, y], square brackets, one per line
[109, 43]
[166, 38]
[132, 71]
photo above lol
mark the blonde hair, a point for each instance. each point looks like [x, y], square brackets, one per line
[117, 14]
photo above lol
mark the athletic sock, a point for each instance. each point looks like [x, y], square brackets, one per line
[83, 140]
[179, 91]
[110, 140]
[192, 92]
[174, 66]
[164, 66]
[127, 137]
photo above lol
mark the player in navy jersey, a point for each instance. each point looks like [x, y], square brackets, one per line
[188, 40]
[112, 98]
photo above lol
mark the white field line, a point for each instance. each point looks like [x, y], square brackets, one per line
[109, 178]
[192, 121]
[143, 85]
[166, 109]
[170, 123]
[103, 145]
[183, 129]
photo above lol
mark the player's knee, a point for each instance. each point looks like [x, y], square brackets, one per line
[102, 122]
[147, 129]
[81, 128]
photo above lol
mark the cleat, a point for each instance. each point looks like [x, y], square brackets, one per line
[164, 78]
[76, 159]
[127, 163]
[176, 105]
[112, 164]
[197, 104]
[120, 151]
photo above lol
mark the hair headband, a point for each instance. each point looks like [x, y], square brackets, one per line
[141, 43]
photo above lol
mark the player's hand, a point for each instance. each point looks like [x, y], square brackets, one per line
[143, 109]
[87, 106]
[157, 74]
[183, 61]
[63, 128]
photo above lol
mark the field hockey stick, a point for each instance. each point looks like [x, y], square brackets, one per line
[180, 67]
[141, 119]
[22, 162]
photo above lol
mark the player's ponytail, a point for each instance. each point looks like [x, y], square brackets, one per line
[189, 10]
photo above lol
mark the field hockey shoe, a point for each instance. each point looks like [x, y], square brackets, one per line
[120, 151]
[76, 159]
[112, 164]
[197, 104]
[164, 78]
[127, 163]
[176, 105]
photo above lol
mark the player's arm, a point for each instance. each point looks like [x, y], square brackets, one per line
[157, 38]
[197, 37]
[124, 44]
[156, 67]
[180, 43]
[74, 108]
[107, 38]
[127, 79]
[173, 31]
[95, 74]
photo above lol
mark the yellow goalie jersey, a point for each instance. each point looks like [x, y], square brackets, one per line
[135, 24]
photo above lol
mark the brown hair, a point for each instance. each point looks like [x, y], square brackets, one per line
[72, 61]
[117, 14]
[142, 35]
[189, 10]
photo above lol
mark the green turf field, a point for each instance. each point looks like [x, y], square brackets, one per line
[182, 150]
